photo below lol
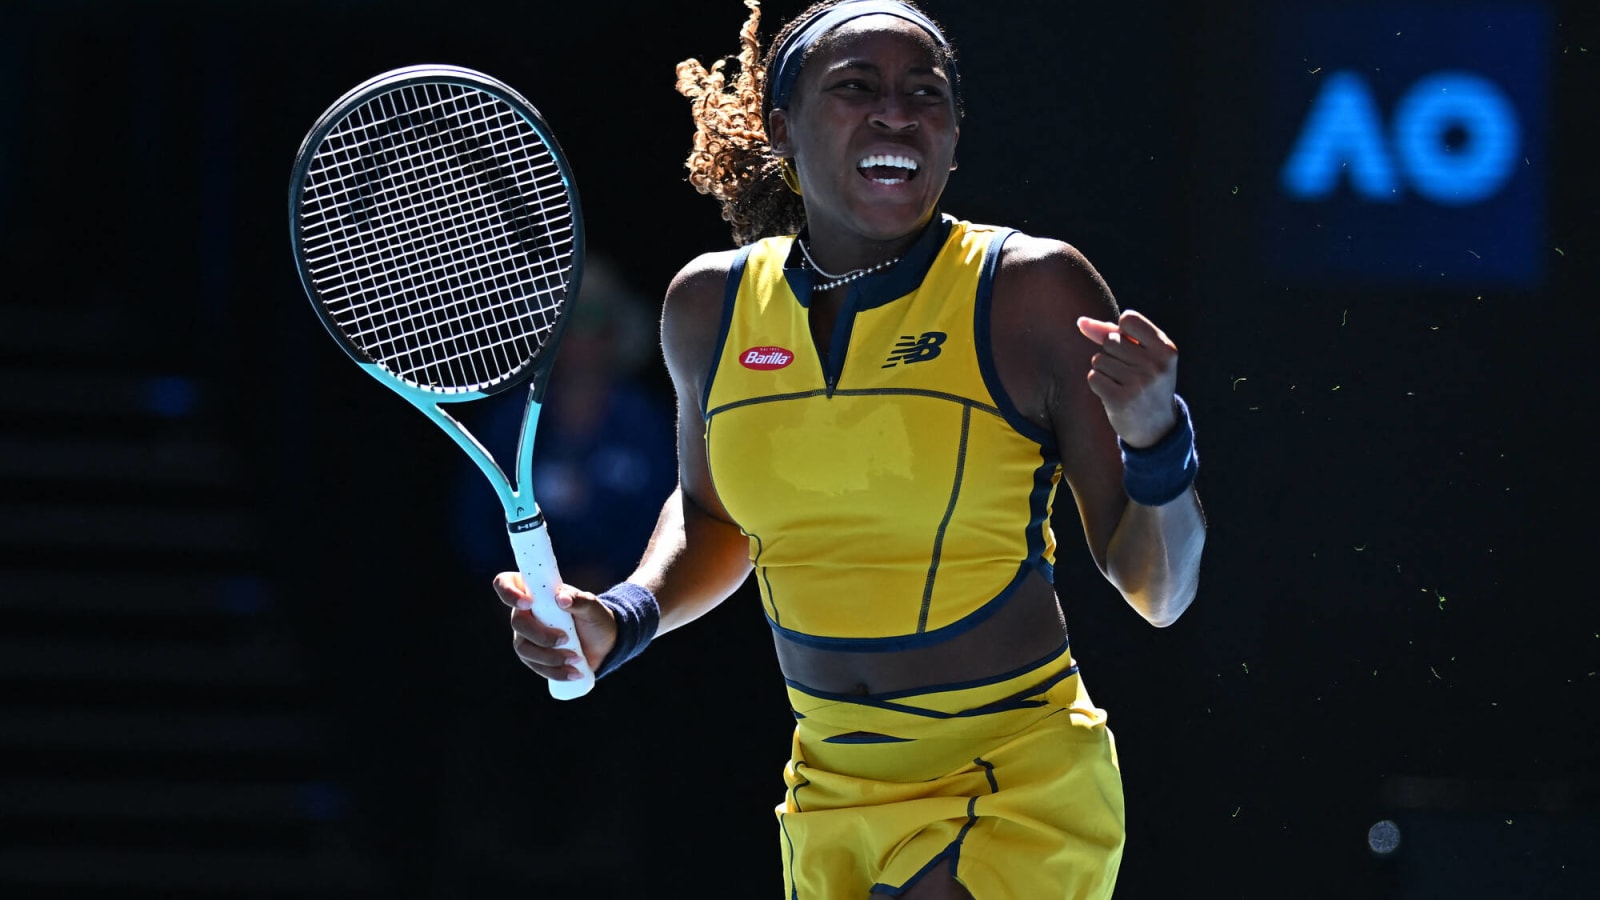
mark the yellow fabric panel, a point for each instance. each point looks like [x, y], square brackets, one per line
[1024, 798]
[900, 501]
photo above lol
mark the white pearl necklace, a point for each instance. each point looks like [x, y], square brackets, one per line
[839, 280]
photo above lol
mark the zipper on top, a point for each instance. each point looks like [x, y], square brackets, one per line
[838, 340]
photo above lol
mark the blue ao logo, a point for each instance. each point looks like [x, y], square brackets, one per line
[1410, 148]
[1453, 138]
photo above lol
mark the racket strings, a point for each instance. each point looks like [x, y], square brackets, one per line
[384, 256]
[487, 262]
[458, 279]
[439, 235]
[468, 257]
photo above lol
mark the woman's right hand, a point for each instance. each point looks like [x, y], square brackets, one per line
[535, 642]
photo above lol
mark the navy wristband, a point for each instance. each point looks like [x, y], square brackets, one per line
[638, 616]
[1164, 471]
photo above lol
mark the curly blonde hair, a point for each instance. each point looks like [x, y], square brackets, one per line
[731, 160]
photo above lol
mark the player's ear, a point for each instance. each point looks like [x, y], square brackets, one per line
[778, 133]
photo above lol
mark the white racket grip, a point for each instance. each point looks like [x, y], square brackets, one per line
[537, 562]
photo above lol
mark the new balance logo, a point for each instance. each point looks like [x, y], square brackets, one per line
[911, 349]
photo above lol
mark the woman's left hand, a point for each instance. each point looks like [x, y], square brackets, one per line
[1135, 375]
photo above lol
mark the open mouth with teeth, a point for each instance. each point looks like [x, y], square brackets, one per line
[887, 169]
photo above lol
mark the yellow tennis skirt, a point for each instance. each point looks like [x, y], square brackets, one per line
[1014, 781]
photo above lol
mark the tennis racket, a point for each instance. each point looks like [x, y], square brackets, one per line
[437, 231]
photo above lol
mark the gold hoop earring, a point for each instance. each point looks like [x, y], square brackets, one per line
[790, 177]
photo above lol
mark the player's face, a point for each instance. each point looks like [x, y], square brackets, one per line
[872, 129]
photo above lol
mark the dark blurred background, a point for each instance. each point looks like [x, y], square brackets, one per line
[247, 642]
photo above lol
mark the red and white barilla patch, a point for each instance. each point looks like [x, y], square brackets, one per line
[765, 359]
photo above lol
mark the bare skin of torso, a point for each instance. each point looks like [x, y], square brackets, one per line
[1028, 626]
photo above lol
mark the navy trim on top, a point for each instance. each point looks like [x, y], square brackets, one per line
[944, 523]
[869, 291]
[860, 392]
[766, 580]
[1049, 452]
[797, 274]
[844, 325]
[984, 338]
[907, 275]
[1023, 698]
[1039, 506]
[730, 294]
[884, 287]
[916, 639]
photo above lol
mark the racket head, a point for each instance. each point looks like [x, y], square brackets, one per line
[436, 228]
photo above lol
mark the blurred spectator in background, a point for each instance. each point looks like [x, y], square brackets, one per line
[604, 458]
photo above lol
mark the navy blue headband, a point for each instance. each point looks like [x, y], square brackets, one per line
[786, 62]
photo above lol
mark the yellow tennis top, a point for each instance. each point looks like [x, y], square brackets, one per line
[892, 494]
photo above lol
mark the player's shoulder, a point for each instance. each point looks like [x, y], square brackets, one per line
[692, 313]
[706, 273]
[697, 288]
[1052, 277]
[1032, 255]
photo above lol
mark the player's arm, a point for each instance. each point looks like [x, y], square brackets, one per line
[1116, 374]
[697, 556]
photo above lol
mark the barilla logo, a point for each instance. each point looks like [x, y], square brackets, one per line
[765, 359]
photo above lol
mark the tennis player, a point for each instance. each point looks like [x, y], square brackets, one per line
[878, 402]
